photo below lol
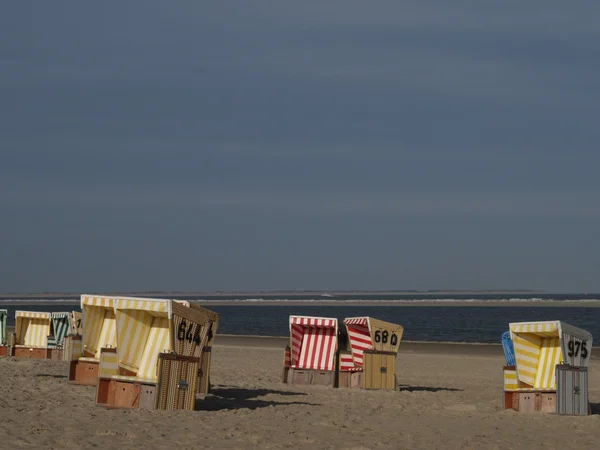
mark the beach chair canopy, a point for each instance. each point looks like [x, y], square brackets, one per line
[144, 329]
[540, 346]
[313, 342]
[59, 326]
[367, 333]
[507, 346]
[3, 319]
[99, 326]
[32, 328]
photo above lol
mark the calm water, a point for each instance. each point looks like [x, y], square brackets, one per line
[421, 323]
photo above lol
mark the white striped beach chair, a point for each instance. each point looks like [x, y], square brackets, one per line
[313, 347]
[376, 337]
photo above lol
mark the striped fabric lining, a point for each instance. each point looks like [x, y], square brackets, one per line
[158, 342]
[98, 319]
[100, 301]
[33, 315]
[364, 321]
[60, 327]
[537, 351]
[32, 328]
[549, 328]
[510, 380]
[347, 364]
[99, 329]
[360, 337]
[143, 331]
[314, 342]
[109, 365]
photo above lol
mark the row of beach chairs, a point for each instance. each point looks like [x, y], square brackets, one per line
[361, 354]
[155, 353]
[137, 352]
[39, 335]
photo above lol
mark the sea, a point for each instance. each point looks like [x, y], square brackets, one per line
[260, 316]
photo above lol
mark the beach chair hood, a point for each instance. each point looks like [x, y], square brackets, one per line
[540, 346]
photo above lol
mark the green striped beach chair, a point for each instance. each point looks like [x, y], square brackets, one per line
[3, 340]
[59, 327]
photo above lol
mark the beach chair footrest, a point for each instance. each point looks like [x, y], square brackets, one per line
[530, 401]
[350, 379]
[31, 353]
[301, 377]
[86, 372]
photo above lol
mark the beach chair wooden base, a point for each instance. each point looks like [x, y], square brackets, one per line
[530, 401]
[56, 354]
[31, 353]
[119, 394]
[123, 394]
[84, 373]
[352, 380]
[304, 377]
[4, 350]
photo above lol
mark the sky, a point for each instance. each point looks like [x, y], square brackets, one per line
[268, 145]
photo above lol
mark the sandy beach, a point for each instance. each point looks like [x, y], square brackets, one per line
[449, 397]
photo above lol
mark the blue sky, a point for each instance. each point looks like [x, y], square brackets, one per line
[299, 145]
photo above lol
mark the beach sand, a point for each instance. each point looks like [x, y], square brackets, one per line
[450, 398]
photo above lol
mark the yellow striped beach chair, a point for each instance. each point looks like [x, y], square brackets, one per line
[145, 328]
[539, 347]
[98, 331]
[31, 334]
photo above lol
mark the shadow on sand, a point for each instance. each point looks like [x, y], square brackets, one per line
[47, 375]
[225, 397]
[404, 387]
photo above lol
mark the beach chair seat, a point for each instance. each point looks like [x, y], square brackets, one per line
[89, 359]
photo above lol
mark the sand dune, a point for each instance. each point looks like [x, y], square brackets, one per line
[447, 400]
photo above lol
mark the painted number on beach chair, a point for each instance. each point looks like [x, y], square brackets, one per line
[381, 337]
[575, 347]
[189, 333]
[384, 337]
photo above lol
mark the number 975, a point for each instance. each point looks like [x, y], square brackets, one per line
[577, 347]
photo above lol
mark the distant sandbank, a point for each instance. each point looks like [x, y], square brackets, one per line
[341, 303]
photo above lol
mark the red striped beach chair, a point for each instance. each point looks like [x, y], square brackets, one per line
[374, 345]
[313, 347]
